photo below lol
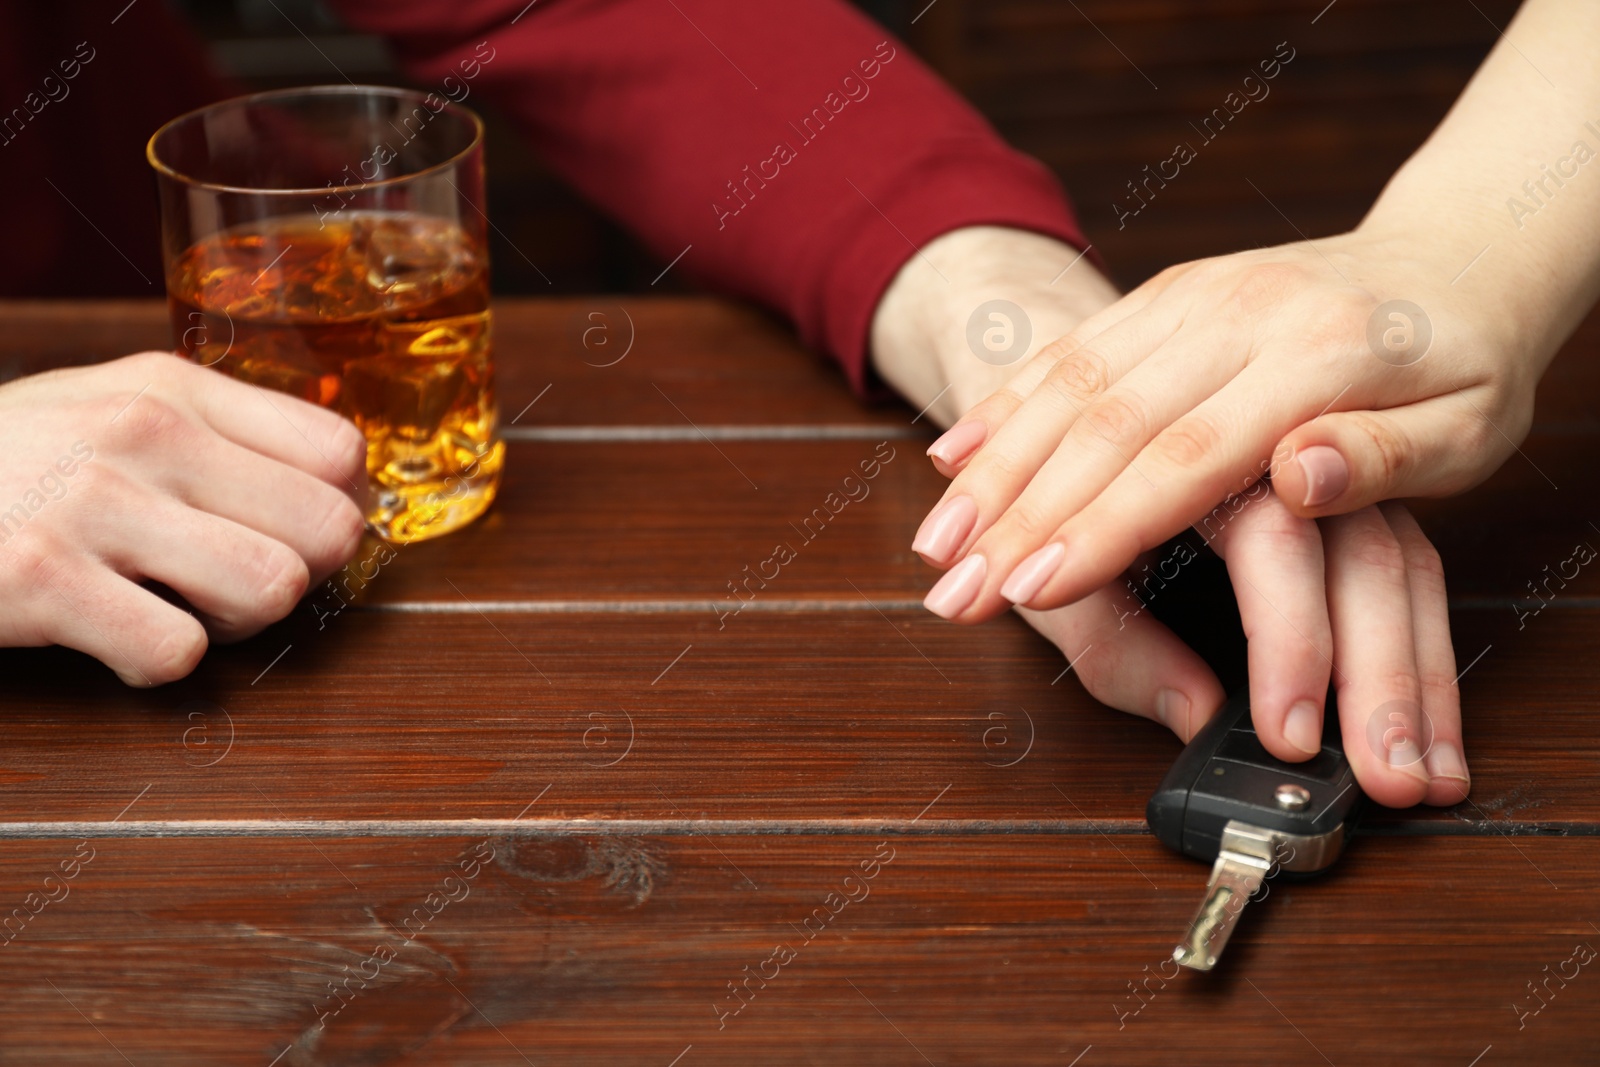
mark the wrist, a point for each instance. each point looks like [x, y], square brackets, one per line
[920, 330]
[1508, 287]
[1483, 302]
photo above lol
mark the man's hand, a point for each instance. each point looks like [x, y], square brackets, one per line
[920, 331]
[1308, 596]
[150, 468]
[1360, 599]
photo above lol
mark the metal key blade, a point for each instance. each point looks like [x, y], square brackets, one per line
[1241, 867]
[1229, 801]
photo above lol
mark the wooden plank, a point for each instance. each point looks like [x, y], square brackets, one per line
[794, 716]
[721, 363]
[960, 949]
[693, 362]
[672, 362]
[643, 521]
[681, 519]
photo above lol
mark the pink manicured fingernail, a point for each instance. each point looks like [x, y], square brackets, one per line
[942, 532]
[959, 442]
[1327, 475]
[959, 587]
[1032, 573]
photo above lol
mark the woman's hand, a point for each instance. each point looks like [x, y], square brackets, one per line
[1300, 362]
[1396, 360]
[152, 468]
[1360, 600]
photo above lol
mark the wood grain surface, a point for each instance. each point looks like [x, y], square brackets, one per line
[530, 794]
[670, 787]
[840, 716]
[587, 361]
[722, 363]
[943, 948]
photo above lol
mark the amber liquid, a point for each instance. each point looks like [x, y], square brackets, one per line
[381, 317]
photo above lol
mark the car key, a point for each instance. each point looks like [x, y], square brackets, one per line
[1229, 800]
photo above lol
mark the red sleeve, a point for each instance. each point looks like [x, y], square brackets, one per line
[796, 150]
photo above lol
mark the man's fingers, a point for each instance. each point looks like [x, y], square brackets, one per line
[240, 580]
[288, 429]
[282, 427]
[1346, 460]
[1275, 561]
[1127, 659]
[320, 523]
[1445, 759]
[82, 604]
[1381, 709]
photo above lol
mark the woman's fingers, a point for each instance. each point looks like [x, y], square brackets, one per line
[1444, 757]
[1381, 711]
[1127, 659]
[956, 447]
[1074, 379]
[1119, 482]
[1349, 459]
[1173, 482]
[1276, 563]
[1098, 451]
[1191, 394]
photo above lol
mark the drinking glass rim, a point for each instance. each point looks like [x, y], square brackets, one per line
[162, 168]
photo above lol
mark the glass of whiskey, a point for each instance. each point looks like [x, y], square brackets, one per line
[329, 242]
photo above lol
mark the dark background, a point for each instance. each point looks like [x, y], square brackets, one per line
[1095, 88]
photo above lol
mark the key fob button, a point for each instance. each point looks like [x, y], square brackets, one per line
[1242, 747]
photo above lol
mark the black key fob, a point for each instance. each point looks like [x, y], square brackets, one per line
[1230, 801]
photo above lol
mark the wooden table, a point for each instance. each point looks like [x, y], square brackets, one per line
[529, 800]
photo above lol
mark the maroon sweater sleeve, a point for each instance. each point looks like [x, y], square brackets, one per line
[797, 151]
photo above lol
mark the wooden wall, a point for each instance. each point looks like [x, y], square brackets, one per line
[1098, 89]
